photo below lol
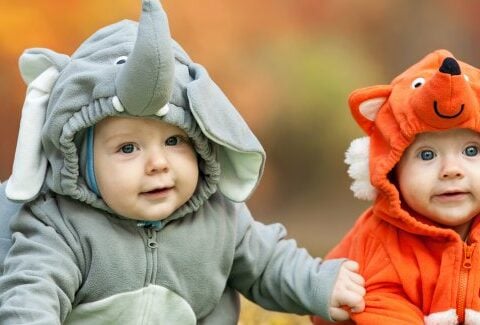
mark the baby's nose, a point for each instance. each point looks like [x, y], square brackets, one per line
[451, 170]
[452, 175]
[157, 162]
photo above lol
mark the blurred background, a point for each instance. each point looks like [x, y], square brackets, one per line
[287, 65]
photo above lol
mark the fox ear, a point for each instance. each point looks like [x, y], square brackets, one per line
[365, 104]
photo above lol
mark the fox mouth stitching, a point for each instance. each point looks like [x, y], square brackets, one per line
[435, 107]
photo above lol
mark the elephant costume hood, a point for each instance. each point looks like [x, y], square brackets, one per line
[127, 69]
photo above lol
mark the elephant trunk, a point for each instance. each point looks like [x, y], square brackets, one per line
[144, 83]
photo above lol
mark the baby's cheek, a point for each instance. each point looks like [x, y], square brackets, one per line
[415, 196]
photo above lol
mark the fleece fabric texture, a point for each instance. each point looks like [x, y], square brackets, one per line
[72, 256]
[416, 272]
[73, 260]
[7, 211]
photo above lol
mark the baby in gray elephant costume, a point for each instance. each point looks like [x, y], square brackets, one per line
[129, 181]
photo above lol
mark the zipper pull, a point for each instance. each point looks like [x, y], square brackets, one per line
[467, 255]
[151, 243]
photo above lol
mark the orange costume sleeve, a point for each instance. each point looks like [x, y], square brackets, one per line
[385, 301]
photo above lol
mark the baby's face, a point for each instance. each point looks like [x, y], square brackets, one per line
[439, 177]
[145, 169]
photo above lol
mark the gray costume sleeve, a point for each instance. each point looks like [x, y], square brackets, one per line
[276, 274]
[7, 211]
[40, 274]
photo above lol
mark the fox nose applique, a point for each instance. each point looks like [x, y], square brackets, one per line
[449, 66]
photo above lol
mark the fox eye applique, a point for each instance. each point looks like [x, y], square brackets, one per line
[418, 82]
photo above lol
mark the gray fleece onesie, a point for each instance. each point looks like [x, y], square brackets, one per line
[72, 260]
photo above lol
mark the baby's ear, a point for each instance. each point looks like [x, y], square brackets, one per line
[365, 104]
[40, 70]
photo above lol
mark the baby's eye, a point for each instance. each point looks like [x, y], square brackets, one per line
[471, 151]
[426, 155]
[127, 148]
[175, 140]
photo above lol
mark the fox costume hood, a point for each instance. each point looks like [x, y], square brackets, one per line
[416, 272]
[72, 260]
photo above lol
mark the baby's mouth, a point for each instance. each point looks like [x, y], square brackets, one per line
[451, 195]
[157, 191]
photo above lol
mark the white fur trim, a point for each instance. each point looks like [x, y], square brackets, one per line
[30, 164]
[357, 157]
[369, 108]
[472, 317]
[448, 317]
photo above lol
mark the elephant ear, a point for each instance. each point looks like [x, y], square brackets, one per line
[39, 69]
[33, 62]
[240, 154]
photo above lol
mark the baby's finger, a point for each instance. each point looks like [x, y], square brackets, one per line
[356, 288]
[358, 307]
[338, 314]
[351, 265]
[352, 300]
[357, 278]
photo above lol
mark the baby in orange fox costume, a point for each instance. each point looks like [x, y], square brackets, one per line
[417, 245]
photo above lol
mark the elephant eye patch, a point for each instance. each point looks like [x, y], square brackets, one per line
[121, 60]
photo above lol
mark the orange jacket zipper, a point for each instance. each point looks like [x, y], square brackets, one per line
[462, 283]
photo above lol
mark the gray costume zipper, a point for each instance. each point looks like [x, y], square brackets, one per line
[152, 258]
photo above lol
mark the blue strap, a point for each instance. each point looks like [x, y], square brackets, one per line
[91, 180]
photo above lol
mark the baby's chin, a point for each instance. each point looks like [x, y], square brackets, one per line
[453, 218]
[142, 215]
[147, 217]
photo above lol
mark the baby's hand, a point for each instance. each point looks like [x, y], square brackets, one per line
[349, 291]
